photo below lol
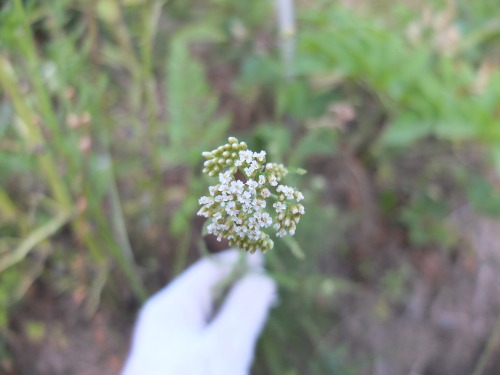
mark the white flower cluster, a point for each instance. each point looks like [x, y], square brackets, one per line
[237, 204]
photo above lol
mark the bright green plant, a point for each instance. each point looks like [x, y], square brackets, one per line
[105, 102]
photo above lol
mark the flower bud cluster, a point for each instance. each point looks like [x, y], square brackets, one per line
[223, 157]
[288, 214]
[237, 205]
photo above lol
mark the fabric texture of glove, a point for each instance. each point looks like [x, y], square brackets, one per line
[174, 334]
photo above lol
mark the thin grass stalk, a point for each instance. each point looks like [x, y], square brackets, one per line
[33, 135]
[27, 45]
[151, 17]
[132, 62]
[36, 237]
[489, 349]
[150, 24]
[286, 26]
[35, 141]
[49, 171]
[123, 253]
[8, 211]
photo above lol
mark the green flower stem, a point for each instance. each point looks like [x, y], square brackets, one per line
[222, 288]
[181, 256]
[294, 247]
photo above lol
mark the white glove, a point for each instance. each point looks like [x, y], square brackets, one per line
[173, 335]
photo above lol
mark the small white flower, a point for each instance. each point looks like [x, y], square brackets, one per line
[254, 234]
[252, 221]
[240, 230]
[247, 207]
[279, 207]
[217, 216]
[281, 233]
[203, 212]
[245, 197]
[211, 228]
[287, 191]
[237, 187]
[246, 156]
[231, 209]
[225, 178]
[208, 201]
[264, 220]
[265, 193]
[259, 204]
[252, 184]
[262, 179]
[249, 171]
[273, 181]
[212, 190]
[261, 156]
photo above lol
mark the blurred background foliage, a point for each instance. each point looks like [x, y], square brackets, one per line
[106, 106]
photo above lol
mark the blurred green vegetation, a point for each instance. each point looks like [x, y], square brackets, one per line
[106, 106]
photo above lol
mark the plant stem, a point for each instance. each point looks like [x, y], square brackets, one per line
[294, 247]
[39, 235]
[33, 135]
[27, 45]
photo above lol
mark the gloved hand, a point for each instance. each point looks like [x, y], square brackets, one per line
[173, 334]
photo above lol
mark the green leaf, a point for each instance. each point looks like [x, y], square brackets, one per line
[193, 122]
[483, 197]
[405, 129]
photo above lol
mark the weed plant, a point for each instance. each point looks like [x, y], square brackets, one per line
[106, 106]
